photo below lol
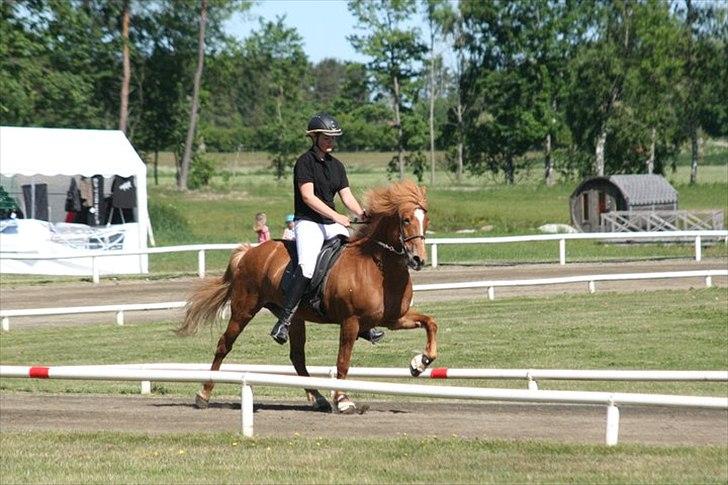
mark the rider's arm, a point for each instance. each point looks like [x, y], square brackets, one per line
[310, 199]
[350, 202]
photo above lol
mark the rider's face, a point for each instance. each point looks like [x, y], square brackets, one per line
[326, 143]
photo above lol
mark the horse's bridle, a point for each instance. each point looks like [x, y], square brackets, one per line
[402, 240]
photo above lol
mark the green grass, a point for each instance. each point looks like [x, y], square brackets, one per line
[651, 330]
[646, 330]
[226, 458]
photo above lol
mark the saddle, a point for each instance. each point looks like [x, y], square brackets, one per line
[314, 294]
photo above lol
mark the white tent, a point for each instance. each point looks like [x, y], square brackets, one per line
[52, 152]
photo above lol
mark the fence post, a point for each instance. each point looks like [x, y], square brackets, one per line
[146, 387]
[491, 293]
[246, 410]
[434, 256]
[532, 384]
[201, 263]
[120, 318]
[698, 249]
[592, 287]
[6, 324]
[94, 270]
[562, 251]
[612, 424]
[708, 281]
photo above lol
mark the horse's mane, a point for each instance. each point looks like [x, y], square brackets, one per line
[384, 202]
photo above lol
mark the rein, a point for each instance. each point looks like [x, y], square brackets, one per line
[402, 240]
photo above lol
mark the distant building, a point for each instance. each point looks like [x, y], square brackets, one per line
[626, 203]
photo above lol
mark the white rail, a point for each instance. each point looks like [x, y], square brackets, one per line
[532, 376]
[489, 284]
[697, 236]
[246, 379]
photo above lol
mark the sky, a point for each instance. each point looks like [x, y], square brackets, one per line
[323, 24]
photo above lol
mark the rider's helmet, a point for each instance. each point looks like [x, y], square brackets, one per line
[290, 218]
[323, 123]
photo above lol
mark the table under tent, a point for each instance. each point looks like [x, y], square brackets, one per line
[69, 191]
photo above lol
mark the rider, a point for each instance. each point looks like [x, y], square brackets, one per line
[317, 178]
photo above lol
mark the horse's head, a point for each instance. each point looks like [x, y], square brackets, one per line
[413, 223]
[398, 221]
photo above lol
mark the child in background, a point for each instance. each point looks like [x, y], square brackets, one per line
[261, 228]
[288, 233]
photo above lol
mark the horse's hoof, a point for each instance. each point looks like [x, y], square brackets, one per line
[418, 364]
[346, 406]
[322, 405]
[201, 402]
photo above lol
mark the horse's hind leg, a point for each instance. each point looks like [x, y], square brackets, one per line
[239, 318]
[297, 335]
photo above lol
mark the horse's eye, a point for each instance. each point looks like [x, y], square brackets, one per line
[406, 222]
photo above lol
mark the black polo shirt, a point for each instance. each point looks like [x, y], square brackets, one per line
[328, 177]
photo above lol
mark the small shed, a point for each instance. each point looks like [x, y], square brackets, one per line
[619, 194]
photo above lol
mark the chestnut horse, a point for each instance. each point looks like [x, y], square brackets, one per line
[369, 285]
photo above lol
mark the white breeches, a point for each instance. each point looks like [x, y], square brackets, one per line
[310, 237]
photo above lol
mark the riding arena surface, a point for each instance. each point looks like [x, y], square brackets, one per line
[384, 418]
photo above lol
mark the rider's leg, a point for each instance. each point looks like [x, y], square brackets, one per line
[290, 305]
[309, 239]
[332, 230]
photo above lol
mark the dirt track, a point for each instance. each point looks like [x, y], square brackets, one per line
[561, 423]
[577, 424]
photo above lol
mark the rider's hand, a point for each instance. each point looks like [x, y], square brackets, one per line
[343, 220]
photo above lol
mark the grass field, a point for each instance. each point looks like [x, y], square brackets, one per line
[647, 330]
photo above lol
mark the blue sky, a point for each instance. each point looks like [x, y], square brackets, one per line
[323, 24]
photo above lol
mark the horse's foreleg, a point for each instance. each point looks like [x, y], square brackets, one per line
[347, 337]
[224, 346]
[297, 336]
[413, 319]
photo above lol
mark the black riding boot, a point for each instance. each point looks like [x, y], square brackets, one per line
[290, 305]
[373, 335]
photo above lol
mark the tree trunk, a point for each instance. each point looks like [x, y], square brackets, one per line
[510, 171]
[400, 134]
[651, 159]
[695, 155]
[461, 137]
[432, 106]
[187, 155]
[126, 77]
[599, 151]
[156, 166]
[548, 163]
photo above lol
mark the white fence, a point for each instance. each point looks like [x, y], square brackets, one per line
[696, 236]
[591, 280]
[247, 379]
[531, 376]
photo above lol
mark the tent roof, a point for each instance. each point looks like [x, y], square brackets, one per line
[59, 151]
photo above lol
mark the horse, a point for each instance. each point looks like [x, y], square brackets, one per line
[369, 285]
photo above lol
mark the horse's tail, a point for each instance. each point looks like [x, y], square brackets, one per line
[206, 301]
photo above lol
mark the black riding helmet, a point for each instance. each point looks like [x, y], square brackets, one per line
[323, 123]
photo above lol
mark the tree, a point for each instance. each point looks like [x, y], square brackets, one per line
[394, 50]
[187, 155]
[439, 15]
[501, 86]
[126, 77]
[704, 69]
